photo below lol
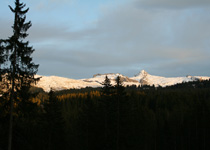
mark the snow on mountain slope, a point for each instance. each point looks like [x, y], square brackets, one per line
[60, 83]
[143, 78]
[199, 77]
[146, 79]
[99, 78]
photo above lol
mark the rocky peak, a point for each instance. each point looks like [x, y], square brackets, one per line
[142, 73]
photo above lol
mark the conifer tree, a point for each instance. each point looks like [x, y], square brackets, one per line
[22, 69]
[19, 68]
[54, 122]
[119, 93]
[119, 86]
[107, 86]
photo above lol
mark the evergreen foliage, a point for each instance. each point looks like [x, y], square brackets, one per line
[21, 68]
[86, 119]
[119, 86]
[107, 86]
[52, 122]
[16, 66]
[15, 54]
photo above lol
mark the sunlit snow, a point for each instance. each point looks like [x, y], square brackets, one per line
[143, 78]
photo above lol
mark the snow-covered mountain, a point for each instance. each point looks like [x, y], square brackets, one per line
[99, 78]
[146, 79]
[60, 83]
[143, 78]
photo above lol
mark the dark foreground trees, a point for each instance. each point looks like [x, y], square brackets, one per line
[152, 119]
[107, 87]
[16, 62]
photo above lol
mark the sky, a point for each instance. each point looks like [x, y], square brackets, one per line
[80, 38]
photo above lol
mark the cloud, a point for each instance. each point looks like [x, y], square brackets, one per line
[147, 36]
[130, 37]
[168, 42]
[60, 1]
[173, 4]
[51, 5]
[6, 29]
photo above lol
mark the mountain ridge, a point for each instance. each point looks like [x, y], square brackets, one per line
[57, 83]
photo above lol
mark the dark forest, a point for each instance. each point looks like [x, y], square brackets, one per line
[111, 118]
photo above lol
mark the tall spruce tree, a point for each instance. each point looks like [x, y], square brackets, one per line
[107, 86]
[120, 90]
[120, 93]
[22, 69]
[19, 69]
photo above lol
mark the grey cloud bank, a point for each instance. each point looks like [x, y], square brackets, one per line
[173, 4]
[164, 37]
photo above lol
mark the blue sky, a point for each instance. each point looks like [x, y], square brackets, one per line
[79, 38]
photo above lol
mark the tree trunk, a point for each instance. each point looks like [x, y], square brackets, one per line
[12, 91]
[12, 106]
[11, 120]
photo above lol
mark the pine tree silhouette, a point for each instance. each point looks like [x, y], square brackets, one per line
[54, 122]
[20, 69]
[120, 92]
[120, 89]
[106, 86]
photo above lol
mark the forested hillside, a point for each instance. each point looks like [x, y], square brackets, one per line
[112, 118]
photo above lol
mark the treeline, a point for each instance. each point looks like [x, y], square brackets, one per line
[111, 118]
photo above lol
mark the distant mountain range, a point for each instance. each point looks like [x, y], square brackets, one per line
[142, 78]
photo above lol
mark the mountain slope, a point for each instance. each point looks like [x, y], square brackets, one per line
[99, 78]
[143, 78]
[146, 79]
[61, 83]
